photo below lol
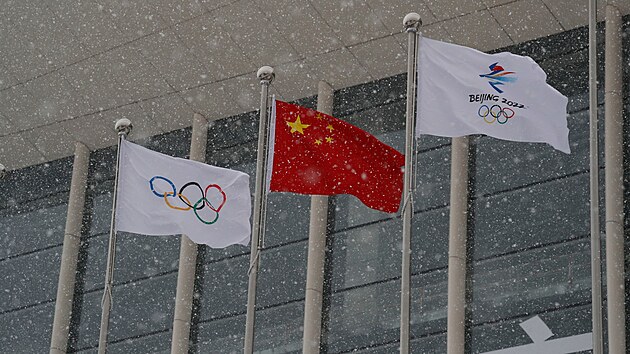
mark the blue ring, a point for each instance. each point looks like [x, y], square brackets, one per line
[164, 179]
[479, 111]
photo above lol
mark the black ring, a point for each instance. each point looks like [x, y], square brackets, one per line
[181, 192]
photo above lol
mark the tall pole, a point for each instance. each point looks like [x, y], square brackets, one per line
[614, 183]
[316, 249]
[458, 231]
[411, 22]
[123, 127]
[596, 271]
[70, 253]
[188, 254]
[265, 75]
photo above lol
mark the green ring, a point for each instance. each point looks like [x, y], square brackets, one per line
[199, 217]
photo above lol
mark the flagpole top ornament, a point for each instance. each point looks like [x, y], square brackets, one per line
[3, 171]
[266, 74]
[123, 126]
[412, 22]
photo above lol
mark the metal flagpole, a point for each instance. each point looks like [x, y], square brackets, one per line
[123, 127]
[596, 277]
[411, 22]
[265, 75]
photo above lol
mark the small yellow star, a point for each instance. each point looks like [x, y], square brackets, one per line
[329, 139]
[319, 116]
[330, 127]
[297, 126]
[318, 142]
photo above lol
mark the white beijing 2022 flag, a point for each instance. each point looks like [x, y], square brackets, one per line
[463, 91]
[164, 195]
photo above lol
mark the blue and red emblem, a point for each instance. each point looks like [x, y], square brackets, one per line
[498, 76]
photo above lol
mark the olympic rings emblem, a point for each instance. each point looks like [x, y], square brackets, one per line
[201, 203]
[495, 113]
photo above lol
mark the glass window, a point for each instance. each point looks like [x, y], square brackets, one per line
[138, 308]
[433, 344]
[531, 281]
[28, 186]
[429, 297]
[367, 254]
[429, 240]
[225, 335]
[570, 324]
[141, 257]
[379, 119]
[370, 95]
[364, 316]
[280, 329]
[137, 257]
[28, 330]
[232, 131]
[504, 165]
[372, 253]
[282, 274]
[531, 217]
[154, 343]
[33, 230]
[30, 279]
[288, 218]
[224, 288]
[369, 316]
[101, 213]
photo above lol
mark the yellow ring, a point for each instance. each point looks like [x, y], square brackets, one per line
[167, 194]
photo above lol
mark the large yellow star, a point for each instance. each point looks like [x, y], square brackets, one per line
[297, 126]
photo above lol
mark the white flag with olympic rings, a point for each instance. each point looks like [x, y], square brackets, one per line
[463, 91]
[163, 195]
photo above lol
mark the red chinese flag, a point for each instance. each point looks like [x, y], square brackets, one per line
[315, 153]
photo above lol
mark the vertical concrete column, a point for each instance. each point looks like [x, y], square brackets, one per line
[614, 183]
[70, 253]
[188, 254]
[316, 249]
[458, 231]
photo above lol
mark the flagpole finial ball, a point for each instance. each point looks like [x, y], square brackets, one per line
[412, 20]
[123, 126]
[3, 171]
[265, 73]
